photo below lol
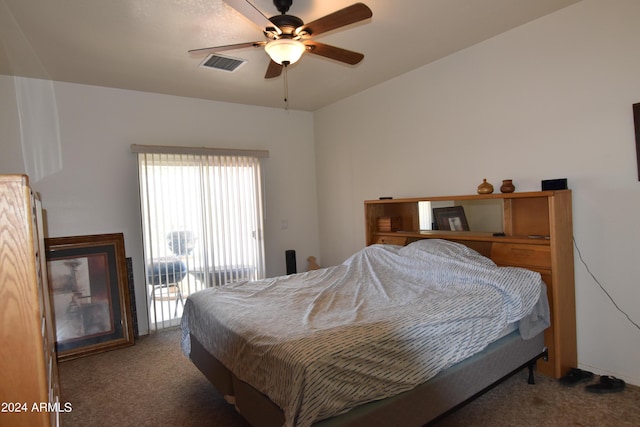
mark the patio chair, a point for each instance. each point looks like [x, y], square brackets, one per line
[164, 276]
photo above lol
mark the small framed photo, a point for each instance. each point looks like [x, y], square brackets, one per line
[89, 293]
[451, 218]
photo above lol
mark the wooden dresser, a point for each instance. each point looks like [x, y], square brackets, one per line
[538, 235]
[29, 389]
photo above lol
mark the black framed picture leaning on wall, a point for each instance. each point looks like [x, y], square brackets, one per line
[89, 293]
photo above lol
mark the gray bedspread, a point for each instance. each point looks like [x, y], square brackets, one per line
[382, 322]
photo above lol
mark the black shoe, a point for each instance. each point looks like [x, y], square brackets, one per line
[575, 376]
[607, 384]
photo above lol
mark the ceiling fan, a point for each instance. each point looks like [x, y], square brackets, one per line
[289, 37]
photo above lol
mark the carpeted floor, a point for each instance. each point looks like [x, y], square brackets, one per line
[154, 384]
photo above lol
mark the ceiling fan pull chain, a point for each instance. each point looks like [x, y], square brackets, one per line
[286, 86]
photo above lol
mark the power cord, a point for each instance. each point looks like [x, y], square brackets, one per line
[602, 287]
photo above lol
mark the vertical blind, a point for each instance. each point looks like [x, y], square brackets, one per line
[202, 223]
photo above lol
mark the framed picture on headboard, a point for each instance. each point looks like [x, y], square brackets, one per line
[451, 218]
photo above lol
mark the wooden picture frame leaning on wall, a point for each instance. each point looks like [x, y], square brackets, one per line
[89, 294]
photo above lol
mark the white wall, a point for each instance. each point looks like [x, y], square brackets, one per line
[96, 190]
[550, 99]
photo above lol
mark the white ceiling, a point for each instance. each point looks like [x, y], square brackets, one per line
[142, 44]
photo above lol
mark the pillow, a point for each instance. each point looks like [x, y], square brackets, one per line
[428, 248]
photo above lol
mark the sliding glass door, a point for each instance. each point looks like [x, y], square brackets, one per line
[202, 226]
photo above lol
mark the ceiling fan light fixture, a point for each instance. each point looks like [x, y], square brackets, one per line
[285, 50]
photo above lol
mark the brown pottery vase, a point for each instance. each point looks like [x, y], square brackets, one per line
[485, 187]
[507, 186]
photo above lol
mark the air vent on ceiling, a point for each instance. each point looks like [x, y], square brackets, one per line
[224, 63]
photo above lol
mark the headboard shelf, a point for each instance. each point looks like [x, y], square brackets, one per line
[464, 235]
[538, 235]
[520, 195]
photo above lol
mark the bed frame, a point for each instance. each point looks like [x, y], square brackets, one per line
[427, 402]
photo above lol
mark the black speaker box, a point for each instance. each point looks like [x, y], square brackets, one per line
[290, 256]
[554, 184]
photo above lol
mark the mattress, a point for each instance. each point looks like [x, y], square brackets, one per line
[386, 320]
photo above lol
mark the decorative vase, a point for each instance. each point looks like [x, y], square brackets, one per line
[485, 187]
[507, 186]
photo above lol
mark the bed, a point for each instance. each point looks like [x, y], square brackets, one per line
[393, 334]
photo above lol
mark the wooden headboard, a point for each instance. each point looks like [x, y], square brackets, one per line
[537, 234]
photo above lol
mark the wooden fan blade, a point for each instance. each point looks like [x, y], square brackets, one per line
[208, 50]
[273, 70]
[252, 13]
[332, 52]
[349, 15]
